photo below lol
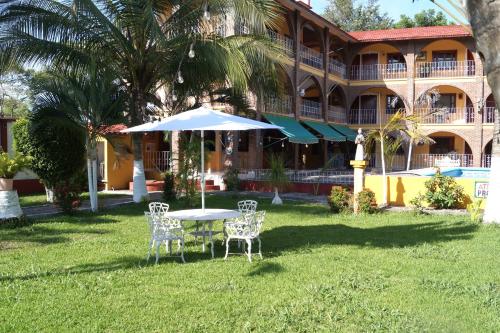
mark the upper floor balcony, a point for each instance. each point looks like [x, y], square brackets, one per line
[444, 115]
[280, 105]
[489, 115]
[378, 72]
[337, 114]
[310, 109]
[285, 42]
[437, 69]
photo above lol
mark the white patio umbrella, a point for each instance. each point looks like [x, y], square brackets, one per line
[202, 119]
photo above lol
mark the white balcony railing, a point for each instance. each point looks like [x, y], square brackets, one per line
[302, 176]
[445, 69]
[420, 161]
[280, 105]
[311, 57]
[463, 115]
[310, 109]
[362, 116]
[489, 115]
[397, 163]
[379, 72]
[337, 114]
[486, 162]
[285, 42]
[157, 161]
[337, 68]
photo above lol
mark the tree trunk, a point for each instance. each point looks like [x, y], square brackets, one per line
[384, 177]
[92, 173]
[410, 151]
[139, 177]
[484, 18]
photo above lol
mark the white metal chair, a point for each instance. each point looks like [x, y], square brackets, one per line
[158, 208]
[165, 229]
[245, 228]
[247, 206]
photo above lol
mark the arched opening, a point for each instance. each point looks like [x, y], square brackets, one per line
[489, 110]
[378, 62]
[311, 46]
[336, 57]
[448, 150]
[486, 159]
[444, 58]
[374, 106]
[336, 105]
[445, 105]
[282, 103]
[311, 96]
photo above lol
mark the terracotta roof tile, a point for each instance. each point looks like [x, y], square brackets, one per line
[448, 31]
[113, 129]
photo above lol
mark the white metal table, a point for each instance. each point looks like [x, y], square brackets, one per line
[208, 216]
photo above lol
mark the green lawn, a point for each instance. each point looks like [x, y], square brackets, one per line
[388, 272]
[41, 199]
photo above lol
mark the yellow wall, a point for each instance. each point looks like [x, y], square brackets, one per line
[445, 45]
[403, 189]
[118, 171]
[381, 50]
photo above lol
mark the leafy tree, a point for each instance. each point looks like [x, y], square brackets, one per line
[152, 46]
[350, 15]
[426, 18]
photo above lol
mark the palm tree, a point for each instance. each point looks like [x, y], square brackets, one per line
[151, 45]
[484, 19]
[85, 101]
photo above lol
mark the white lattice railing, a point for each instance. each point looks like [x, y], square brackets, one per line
[378, 71]
[302, 176]
[445, 69]
[420, 161]
[336, 67]
[285, 42]
[281, 105]
[310, 109]
[157, 160]
[337, 114]
[362, 116]
[489, 115]
[311, 57]
[486, 162]
[463, 115]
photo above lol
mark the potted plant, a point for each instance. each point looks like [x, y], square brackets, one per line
[278, 178]
[9, 167]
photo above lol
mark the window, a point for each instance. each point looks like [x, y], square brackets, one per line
[444, 60]
[442, 145]
[447, 101]
[396, 62]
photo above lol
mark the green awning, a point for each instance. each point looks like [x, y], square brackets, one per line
[349, 133]
[295, 132]
[326, 131]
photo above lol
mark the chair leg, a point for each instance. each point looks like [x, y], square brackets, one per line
[181, 242]
[166, 246]
[260, 247]
[170, 247]
[196, 234]
[227, 248]
[158, 244]
[151, 242]
[178, 246]
[249, 253]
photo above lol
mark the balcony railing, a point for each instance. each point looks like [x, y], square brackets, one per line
[337, 114]
[281, 105]
[302, 176]
[489, 115]
[310, 109]
[420, 161]
[157, 160]
[486, 162]
[285, 42]
[311, 57]
[362, 116]
[446, 115]
[445, 69]
[337, 68]
[378, 72]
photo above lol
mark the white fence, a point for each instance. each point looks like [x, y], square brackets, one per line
[378, 71]
[303, 176]
[337, 114]
[445, 69]
[310, 109]
[311, 57]
[463, 115]
[338, 68]
[362, 116]
[285, 42]
[420, 161]
[489, 115]
[157, 161]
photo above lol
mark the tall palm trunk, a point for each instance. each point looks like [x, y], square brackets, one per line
[92, 173]
[410, 151]
[484, 18]
[139, 177]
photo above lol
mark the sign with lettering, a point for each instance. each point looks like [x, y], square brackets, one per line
[481, 189]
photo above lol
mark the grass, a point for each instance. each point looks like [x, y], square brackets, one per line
[320, 272]
[41, 199]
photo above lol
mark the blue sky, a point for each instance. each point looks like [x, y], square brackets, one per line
[394, 7]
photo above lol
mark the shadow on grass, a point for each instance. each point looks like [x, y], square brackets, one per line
[287, 238]
[266, 268]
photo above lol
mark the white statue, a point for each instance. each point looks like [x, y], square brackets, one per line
[360, 140]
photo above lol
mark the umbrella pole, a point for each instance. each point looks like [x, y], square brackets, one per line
[202, 171]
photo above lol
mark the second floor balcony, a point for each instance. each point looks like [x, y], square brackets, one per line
[489, 115]
[311, 57]
[337, 114]
[451, 115]
[378, 72]
[310, 109]
[445, 69]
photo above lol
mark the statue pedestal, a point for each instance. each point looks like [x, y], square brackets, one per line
[9, 205]
[359, 180]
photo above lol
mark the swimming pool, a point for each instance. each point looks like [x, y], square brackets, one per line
[459, 172]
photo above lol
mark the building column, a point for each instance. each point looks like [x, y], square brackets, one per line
[175, 151]
[296, 98]
[326, 61]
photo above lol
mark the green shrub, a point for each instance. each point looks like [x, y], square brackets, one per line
[231, 179]
[443, 192]
[169, 186]
[475, 210]
[9, 167]
[417, 203]
[366, 201]
[339, 200]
